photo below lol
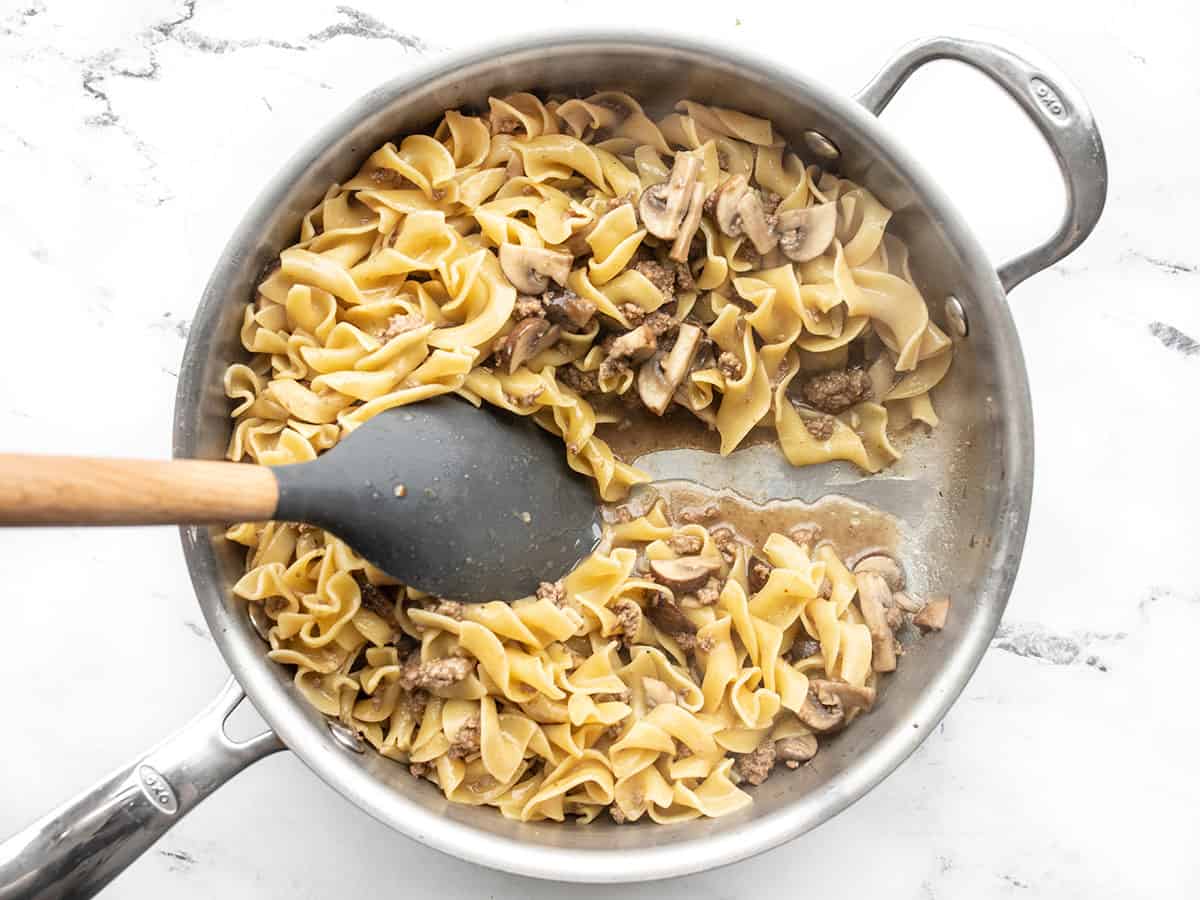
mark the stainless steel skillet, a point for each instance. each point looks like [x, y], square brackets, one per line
[962, 495]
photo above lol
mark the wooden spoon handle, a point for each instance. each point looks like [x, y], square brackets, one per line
[72, 490]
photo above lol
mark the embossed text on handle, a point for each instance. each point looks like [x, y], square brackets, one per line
[1047, 98]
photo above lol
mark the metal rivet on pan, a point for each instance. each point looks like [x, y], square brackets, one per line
[821, 146]
[955, 317]
[347, 737]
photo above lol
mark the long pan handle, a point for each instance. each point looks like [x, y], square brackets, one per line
[80, 847]
[72, 490]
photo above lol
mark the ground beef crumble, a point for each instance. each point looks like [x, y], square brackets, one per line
[578, 380]
[692, 515]
[684, 281]
[660, 323]
[387, 177]
[554, 591]
[755, 767]
[726, 541]
[820, 427]
[633, 313]
[805, 533]
[834, 392]
[527, 307]
[629, 619]
[451, 608]
[466, 739]
[710, 593]
[685, 544]
[660, 275]
[731, 367]
[437, 673]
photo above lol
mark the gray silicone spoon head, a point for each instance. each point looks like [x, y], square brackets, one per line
[464, 503]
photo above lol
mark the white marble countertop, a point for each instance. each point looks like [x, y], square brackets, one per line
[133, 136]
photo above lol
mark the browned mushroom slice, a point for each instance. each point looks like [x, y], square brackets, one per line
[907, 602]
[725, 207]
[873, 599]
[668, 618]
[884, 565]
[933, 616]
[847, 697]
[636, 344]
[530, 269]
[663, 206]
[691, 224]
[818, 716]
[528, 338]
[758, 573]
[660, 375]
[799, 748]
[754, 223]
[577, 244]
[687, 573]
[568, 309]
[805, 234]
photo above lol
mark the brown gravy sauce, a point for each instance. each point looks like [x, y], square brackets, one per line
[640, 432]
[853, 529]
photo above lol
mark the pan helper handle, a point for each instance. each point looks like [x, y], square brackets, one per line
[1054, 105]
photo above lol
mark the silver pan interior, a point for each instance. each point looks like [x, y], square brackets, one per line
[962, 495]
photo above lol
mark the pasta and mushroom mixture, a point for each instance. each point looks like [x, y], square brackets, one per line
[571, 260]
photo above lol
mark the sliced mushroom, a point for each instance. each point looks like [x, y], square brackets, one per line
[530, 269]
[660, 375]
[907, 602]
[754, 223]
[873, 599]
[818, 716]
[568, 309]
[528, 338]
[758, 573]
[798, 748]
[933, 616]
[687, 573]
[691, 224]
[847, 697]
[805, 234]
[705, 414]
[636, 344]
[652, 385]
[882, 564]
[725, 208]
[577, 244]
[663, 206]
[669, 619]
[658, 693]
